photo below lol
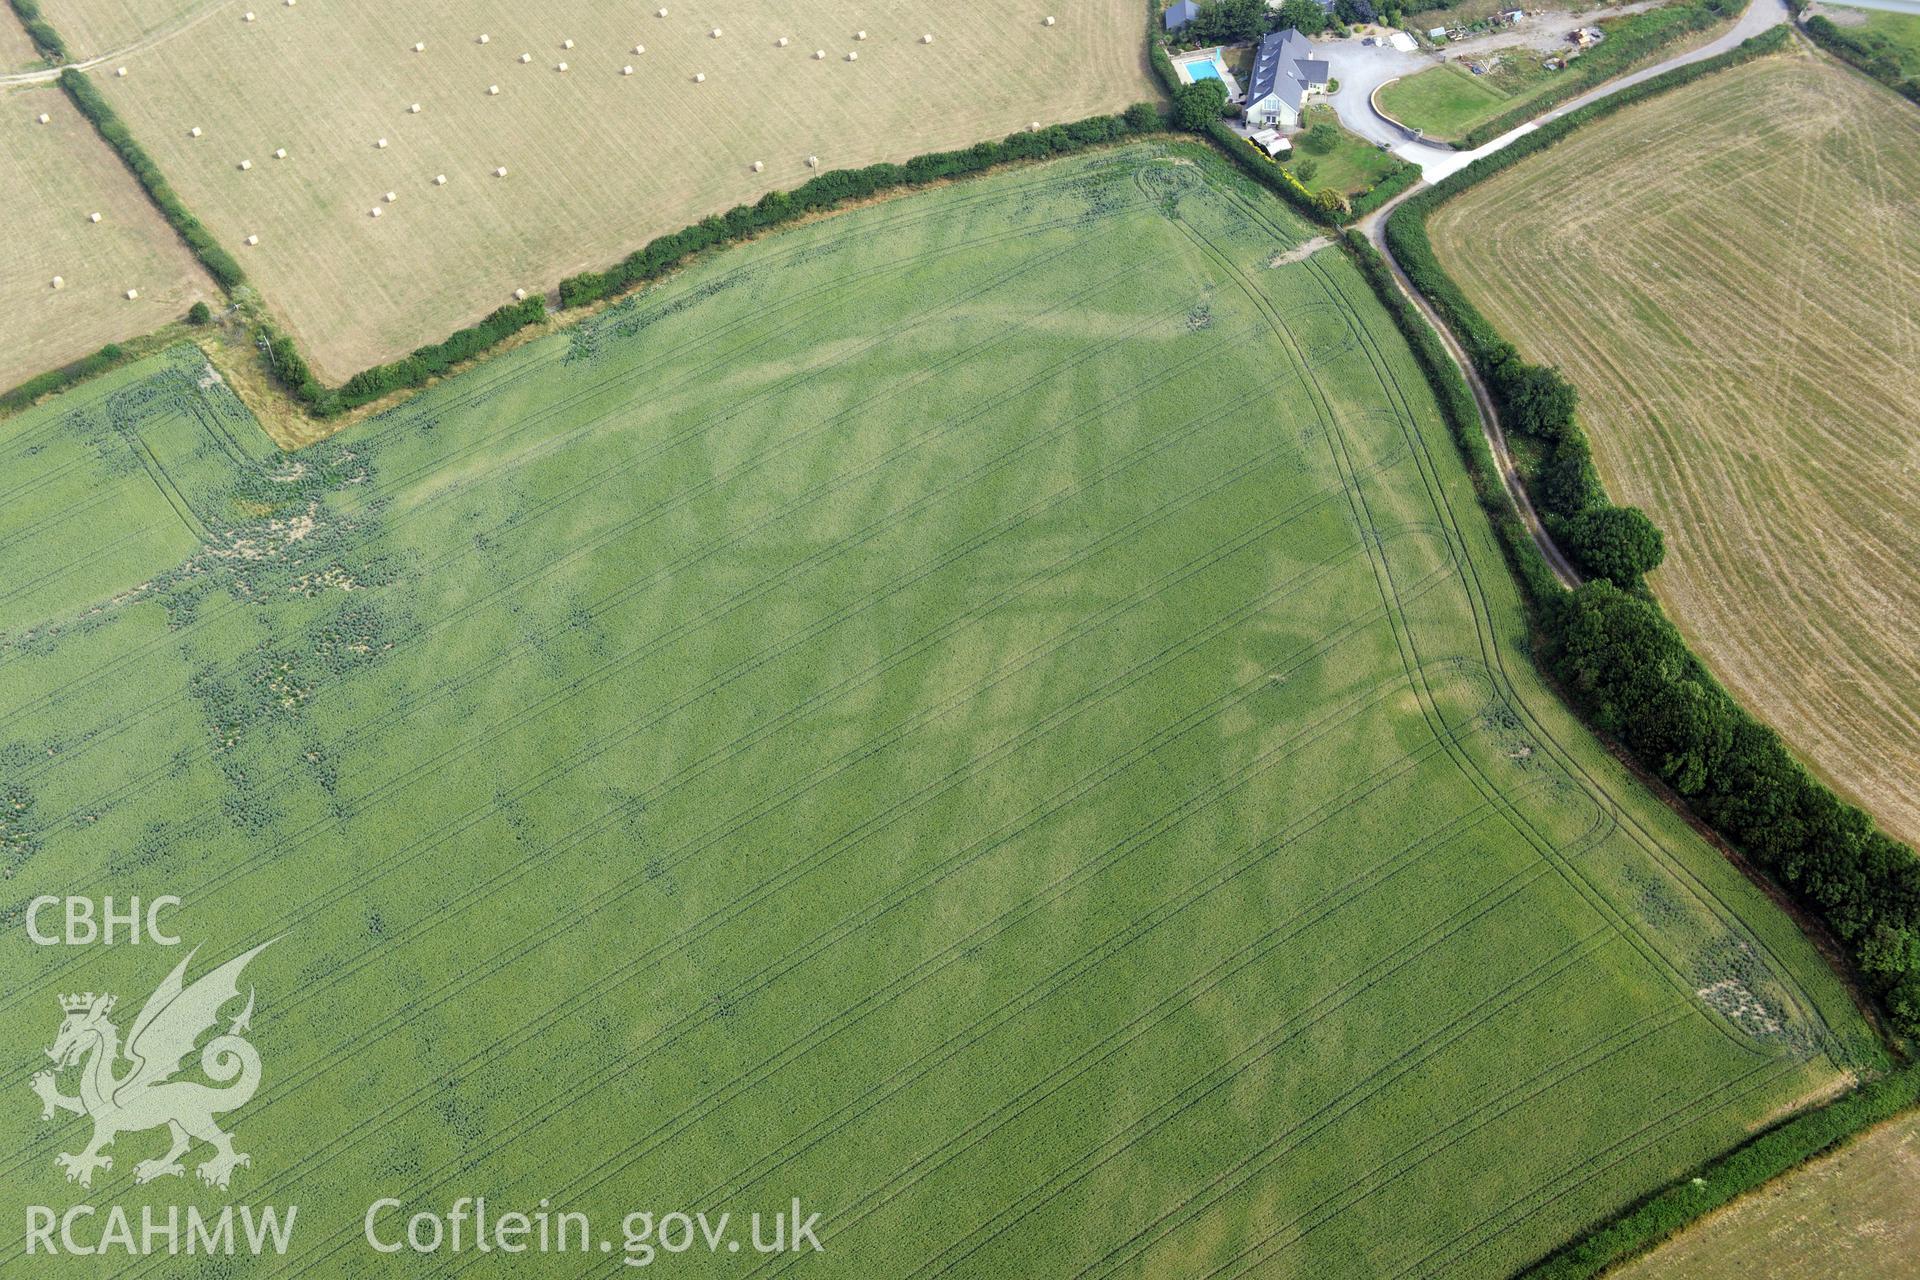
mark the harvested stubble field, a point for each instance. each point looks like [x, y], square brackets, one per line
[1847, 1216]
[995, 713]
[1728, 273]
[52, 177]
[597, 162]
[16, 50]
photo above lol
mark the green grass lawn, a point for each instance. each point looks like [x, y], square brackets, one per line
[1350, 167]
[996, 714]
[1444, 101]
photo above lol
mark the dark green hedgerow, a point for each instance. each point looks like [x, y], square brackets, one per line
[1750, 1165]
[108, 357]
[1630, 40]
[1627, 666]
[1866, 53]
[40, 31]
[1630, 671]
[288, 366]
[842, 185]
[1462, 417]
[219, 263]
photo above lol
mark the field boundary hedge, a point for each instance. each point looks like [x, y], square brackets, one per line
[1631, 675]
[840, 186]
[220, 264]
[1835, 40]
[1627, 666]
[111, 356]
[40, 31]
[1701, 14]
[1719, 1182]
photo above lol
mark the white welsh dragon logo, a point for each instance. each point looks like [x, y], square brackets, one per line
[147, 1095]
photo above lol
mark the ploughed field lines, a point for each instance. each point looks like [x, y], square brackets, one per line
[1021, 758]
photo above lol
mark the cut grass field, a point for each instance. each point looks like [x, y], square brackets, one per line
[1846, 1216]
[1728, 274]
[52, 177]
[995, 713]
[597, 162]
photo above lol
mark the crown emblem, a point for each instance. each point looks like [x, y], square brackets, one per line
[81, 1003]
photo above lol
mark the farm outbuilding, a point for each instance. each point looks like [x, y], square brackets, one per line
[1180, 14]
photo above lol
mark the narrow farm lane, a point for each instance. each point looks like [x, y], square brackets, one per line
[1439, 162]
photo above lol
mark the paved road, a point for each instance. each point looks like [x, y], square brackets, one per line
[1362, 68]
[1437, 162]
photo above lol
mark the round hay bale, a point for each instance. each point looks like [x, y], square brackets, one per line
[484, 37]
[758, 165]
[560, 66]
[715, 33]
[392, 196]
[120, 71]
[253, 239]
[245, 165]
[859, 35]
[59, 282]
[93, 217]
[927, 39]
[279, 153]
[520, 294]
[439, 179]
[526, 58]
[627, 70]
[414, 110]
[493, 90]
[194, 132]
[852, 56]
[1033, 127]
[248, 16]
[566, 44]
[699, 77]
[419, 46]
[819, 55]
[374, 212]
[663, 13]
[380, 144]
[1049, 21]
[45, 118]
[639, 48]
[132, 294]
[500, 172]
[782, 42]
[813, 162]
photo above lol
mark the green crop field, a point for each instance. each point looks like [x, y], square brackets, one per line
[995, 714]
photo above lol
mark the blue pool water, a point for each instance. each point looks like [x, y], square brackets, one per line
[1199, 71]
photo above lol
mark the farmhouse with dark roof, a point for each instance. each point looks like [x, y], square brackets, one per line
[1284, 73]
